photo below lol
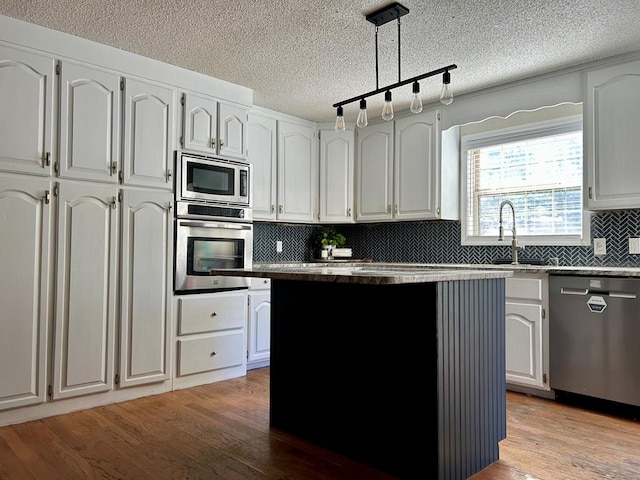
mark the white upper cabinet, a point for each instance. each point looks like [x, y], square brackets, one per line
[26, 112]
[85, 300]
[24, 263]
[297, 172]
[148, 134]
[416, 187]
[89, 123]
[374, 172]
[399, 171]
[336, 176]
[611, 119]
[213, 127]
[145, 287]
[262, 155]
[282, 152]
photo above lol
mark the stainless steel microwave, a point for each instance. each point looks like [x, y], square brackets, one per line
[210, 179]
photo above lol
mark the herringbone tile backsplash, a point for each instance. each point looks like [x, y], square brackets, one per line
[439, 242]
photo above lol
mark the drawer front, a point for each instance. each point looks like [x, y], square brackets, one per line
[529, 288]
[260, 283]
[218, 351]
[209, 314]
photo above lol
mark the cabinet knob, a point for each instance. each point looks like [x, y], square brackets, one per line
[214, 314]
[273, 208]
[213, 143]
[280, 209]
[222, 143]
[212, 354]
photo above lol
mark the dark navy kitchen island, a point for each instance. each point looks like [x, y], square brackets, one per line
[402, 370]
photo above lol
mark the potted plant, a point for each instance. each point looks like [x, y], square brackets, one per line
[327, 238]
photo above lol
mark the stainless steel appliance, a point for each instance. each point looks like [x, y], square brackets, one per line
[594, 329]
[211, 179]
[214, 223]
[211, 236]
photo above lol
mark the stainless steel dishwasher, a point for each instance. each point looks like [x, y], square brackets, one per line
[594, 332]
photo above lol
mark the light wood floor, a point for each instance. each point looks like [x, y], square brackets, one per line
[221, 431]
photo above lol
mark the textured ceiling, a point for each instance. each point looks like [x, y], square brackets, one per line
[302, 56]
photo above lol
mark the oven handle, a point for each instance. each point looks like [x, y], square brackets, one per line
[231, 226]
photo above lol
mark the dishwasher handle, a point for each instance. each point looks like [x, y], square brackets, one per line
[574, 291]
[585, 291]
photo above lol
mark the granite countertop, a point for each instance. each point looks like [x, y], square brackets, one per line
[397, 273]
[364, 273]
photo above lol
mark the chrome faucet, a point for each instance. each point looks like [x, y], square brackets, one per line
[515, 248]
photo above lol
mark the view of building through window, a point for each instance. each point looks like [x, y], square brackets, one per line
[538, 167]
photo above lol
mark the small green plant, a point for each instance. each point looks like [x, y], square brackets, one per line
[329, 236]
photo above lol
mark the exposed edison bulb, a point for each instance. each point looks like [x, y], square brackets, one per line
[362, 114]
[387, 109]
[446, 97]
[340, 126]
[416, 101]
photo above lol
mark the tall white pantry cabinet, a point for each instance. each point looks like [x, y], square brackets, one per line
[86, 244]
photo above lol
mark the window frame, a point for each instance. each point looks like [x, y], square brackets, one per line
[511, 134]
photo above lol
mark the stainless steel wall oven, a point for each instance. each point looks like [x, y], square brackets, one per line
[211, 233]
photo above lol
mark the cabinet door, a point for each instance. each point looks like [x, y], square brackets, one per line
[146, 287]
[24, 263]
[297, 172]
[148, 135]
[523, 332]
[200, 123]
[374, 172]
[232, 121]
[26, 111]
[259, 330]
[262, 154]
[89, 124]
[85, 300]
[416, 188]
[612, 116]
[336, 176]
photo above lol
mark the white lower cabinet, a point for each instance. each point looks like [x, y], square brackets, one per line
[146, 290]
[86, 297]
[24, 263]
[259, 328]
[527, 332]
[211, 337]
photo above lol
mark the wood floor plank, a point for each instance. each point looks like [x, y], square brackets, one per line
[221, 431]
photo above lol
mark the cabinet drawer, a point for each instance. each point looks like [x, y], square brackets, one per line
[260, 283]
[221, 350]
[529, 288]
[208, 314]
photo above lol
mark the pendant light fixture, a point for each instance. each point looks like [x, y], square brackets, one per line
[380, 17]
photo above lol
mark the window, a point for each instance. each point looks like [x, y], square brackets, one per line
[538, 167]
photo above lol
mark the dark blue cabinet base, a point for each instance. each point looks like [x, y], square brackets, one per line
[406, 378]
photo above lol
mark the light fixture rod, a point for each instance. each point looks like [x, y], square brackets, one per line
[396, 85]
[399, 77]
[377, 85]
